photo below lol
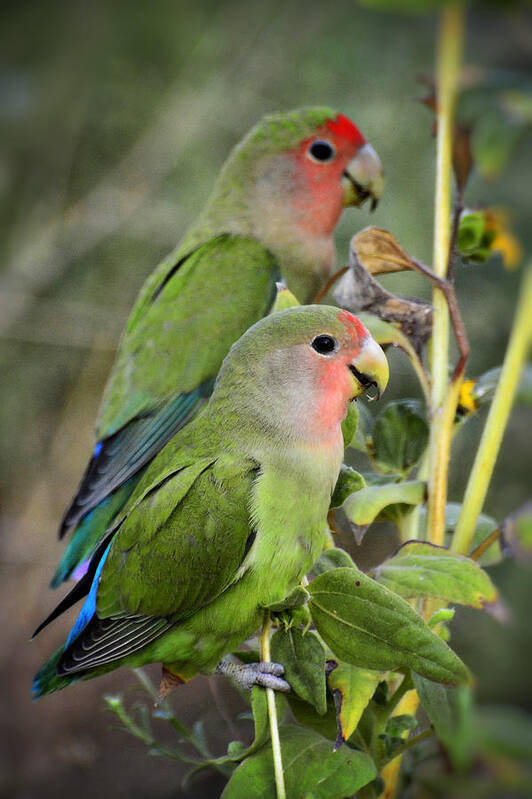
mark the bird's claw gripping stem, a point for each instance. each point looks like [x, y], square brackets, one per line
[267, 675]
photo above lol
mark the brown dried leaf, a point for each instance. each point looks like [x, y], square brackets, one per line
[379, 252]
[376, 251]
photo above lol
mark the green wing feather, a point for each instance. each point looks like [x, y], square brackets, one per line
[184, 324]
[170, 558]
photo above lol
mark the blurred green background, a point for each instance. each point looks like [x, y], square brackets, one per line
[116, 117]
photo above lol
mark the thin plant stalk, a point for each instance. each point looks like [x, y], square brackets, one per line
[272, 712]
[450, 38]
[442, 413]
[480, 477]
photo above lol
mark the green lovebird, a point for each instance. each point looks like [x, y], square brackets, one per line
[231, 514]
[271, 215]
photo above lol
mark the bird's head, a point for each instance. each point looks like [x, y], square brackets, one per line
[314, 159]
[294, 373]
[288, 180]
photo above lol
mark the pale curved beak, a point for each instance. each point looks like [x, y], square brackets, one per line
[370, 370]
[363, 178]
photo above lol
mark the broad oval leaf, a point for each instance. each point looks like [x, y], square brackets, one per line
[369, 626]
[306, 715]
[363, 507]
[400, 435]
[310, 767]
[303, 658]
[422, 569]
[352, 688]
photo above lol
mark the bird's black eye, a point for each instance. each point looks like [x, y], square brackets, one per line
[324, 344]
[321, 150]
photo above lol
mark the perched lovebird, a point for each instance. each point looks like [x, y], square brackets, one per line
[231, 514]
[271, 215]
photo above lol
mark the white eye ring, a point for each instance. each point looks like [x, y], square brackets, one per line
[321, 151]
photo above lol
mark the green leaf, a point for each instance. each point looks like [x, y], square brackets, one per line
[349, 481]
[303, 658]
[449, 710]
[363, 507]
[350, 424]
[474, 238]
[306, 715]
[352, 688]
[261, 724]
[516, 534]
[400, 435]
[310, 767]
[369, 626]
[332, 559]
[422, 569]
[261, 720]
[259, 709]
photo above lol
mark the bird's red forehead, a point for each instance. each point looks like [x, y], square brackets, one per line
[357, 331]
[342, 127]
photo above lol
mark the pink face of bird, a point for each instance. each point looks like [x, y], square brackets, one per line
[343, 366]
[336, 167]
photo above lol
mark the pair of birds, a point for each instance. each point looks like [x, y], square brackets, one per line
[186, 525]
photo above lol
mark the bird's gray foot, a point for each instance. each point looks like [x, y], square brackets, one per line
[268, 675]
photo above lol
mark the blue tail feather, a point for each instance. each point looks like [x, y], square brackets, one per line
[47, 680]
[89, 606]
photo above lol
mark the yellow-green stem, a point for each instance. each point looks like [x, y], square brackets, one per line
[447, 75]
[442, 415]
[272, 712]
[479, 480]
